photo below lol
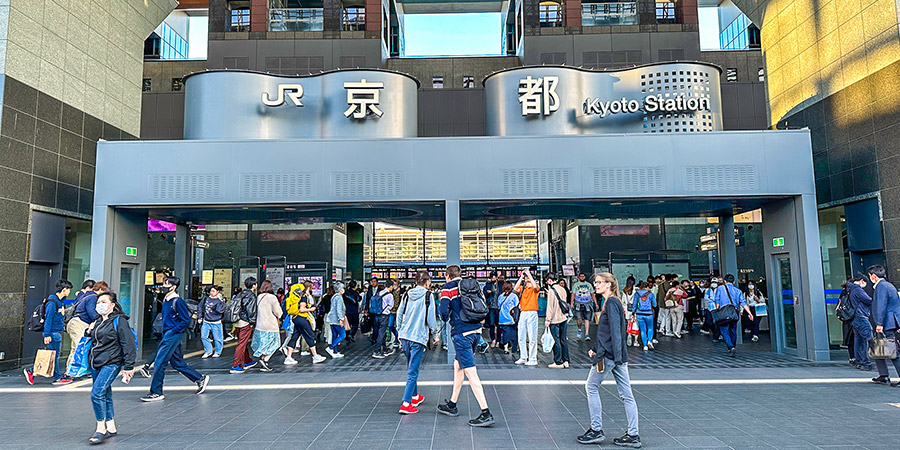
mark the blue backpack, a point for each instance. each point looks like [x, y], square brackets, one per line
[644, 304]
[116, 327]
[375, 303]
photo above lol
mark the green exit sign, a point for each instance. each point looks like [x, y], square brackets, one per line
[130, 251]
[778, 242]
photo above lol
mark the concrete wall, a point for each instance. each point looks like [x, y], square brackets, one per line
[162, 107]
[744, 100]
[245, 53]
[648, 43]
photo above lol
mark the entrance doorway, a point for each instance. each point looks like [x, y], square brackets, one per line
[40, 285]
[789, 307]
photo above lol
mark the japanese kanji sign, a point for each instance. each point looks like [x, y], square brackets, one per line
[363, 98]
[538, 95]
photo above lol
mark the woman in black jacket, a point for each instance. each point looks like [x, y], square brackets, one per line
[113, 350]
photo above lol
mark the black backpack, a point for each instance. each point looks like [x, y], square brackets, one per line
[845, 310]
[474, 306]
[36, 321]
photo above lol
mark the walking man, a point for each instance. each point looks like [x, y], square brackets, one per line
[583, 302]
[385, 301]
[725, 295]
[861, 327]
[372, 309]
[610, 355]
[465, 338]
[528, 319]
[886, 315]
[415, 318]
[176, 317]
[244, 326]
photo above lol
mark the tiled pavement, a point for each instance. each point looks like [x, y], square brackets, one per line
[681, 406]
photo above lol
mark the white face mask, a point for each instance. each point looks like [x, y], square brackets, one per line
[751, 287]
[102, 308]
[714, 285]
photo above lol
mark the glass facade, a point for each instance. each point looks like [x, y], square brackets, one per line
[354, 19]
[165, 43]
[740, 34]
[835, 266]
[550, 14]
[609, 12]
[77, 252]
[665, 12]
[240, 19]
[296, 19]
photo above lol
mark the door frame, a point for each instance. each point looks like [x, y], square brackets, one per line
[779, 342]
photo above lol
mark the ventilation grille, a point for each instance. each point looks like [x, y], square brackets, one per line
[536, 181]
[367, 184]
[189, 186]
[719, 178]
[278, 185]
[628, 179]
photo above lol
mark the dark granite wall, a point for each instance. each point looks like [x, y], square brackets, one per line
[47, 154]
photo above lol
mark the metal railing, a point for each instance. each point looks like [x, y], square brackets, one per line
[295, 19]
[612, 13]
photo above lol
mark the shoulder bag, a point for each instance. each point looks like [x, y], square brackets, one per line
[563, 306]
[726, 314]
[881, 347]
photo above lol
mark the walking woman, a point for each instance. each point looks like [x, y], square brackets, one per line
[113, 350]
[610, 355]
[337, 319]
[266, 337]
[755, 298]
[556, 321]
[508, 332]
[304, 321]
[642, 308]
[627, 298]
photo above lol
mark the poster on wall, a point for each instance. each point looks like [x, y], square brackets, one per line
[247, 272]
[223, 277]
[275, 275]
[639, 270]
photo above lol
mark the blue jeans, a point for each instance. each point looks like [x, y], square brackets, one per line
[561, 342]
[337, 335]
[101, 391]
[623, 384]
[645, 323]
[392, 325]
[729, 333]
[413, 352]
[445, 332]
[216, 329]
[862, 332]
[169, 353]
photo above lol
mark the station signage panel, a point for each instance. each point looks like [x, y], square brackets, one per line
[679, 97]
[231, 104]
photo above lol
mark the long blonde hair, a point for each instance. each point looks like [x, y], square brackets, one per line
[606, 276]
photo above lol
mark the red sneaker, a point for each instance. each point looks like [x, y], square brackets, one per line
[408, 409]
[63, 381]
[417, 400]
[29, 377]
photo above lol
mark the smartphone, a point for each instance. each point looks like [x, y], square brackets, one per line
[125, 378]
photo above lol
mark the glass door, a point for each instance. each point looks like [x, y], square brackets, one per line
[788, 301]
[127, 283]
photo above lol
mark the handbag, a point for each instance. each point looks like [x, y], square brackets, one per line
[726, 313]
[633, 327]
[881, 347]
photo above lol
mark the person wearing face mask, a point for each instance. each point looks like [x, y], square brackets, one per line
[754, 298]
[114, 350]
[176, 317]
[708, 323]
[212, 308]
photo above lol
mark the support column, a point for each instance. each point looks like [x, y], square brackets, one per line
[451, 209]
[812, 279]
[183, 258]
[727, 249]
[259, 16]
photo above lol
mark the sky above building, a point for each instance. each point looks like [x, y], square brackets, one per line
[452, 34]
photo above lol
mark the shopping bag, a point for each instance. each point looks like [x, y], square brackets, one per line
[761, 310]
[633, 327]
[881, 347]
[43, 362]
[80, 364]
[547, 341]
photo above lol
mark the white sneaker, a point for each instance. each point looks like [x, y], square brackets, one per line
[289, 361]
[305, 354]
[645, 348]
[555, 366]
[206, 355]
[637, 344]
[337, 355]
[531, 363]
[755, 339]
[318, 358]
[332, 352]
[216, 355]
[521, 361]
[704, 332]
[655, 341]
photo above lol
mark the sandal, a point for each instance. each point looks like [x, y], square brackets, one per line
[97, 438]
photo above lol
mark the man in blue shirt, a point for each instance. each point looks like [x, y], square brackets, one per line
[54, 323]
[725, 295]
[176, 317]
[886, 316]
[465, 337]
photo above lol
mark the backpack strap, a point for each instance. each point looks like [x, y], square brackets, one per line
[728, 292]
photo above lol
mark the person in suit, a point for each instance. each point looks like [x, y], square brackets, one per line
[886, 316]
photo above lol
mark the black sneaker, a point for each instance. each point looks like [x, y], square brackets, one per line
[591, 437]
[732, 352]
[378, 355]
[264, 366]
[628, 441]
[153, 397]
[881, 379]
[202, 384]
[483, 420]
[445, 409]
[145, 370]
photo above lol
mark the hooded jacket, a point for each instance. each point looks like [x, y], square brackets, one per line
[636, 307]
[413, 321]
[112, 345]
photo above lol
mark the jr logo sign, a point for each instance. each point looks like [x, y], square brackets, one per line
[293, 92]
